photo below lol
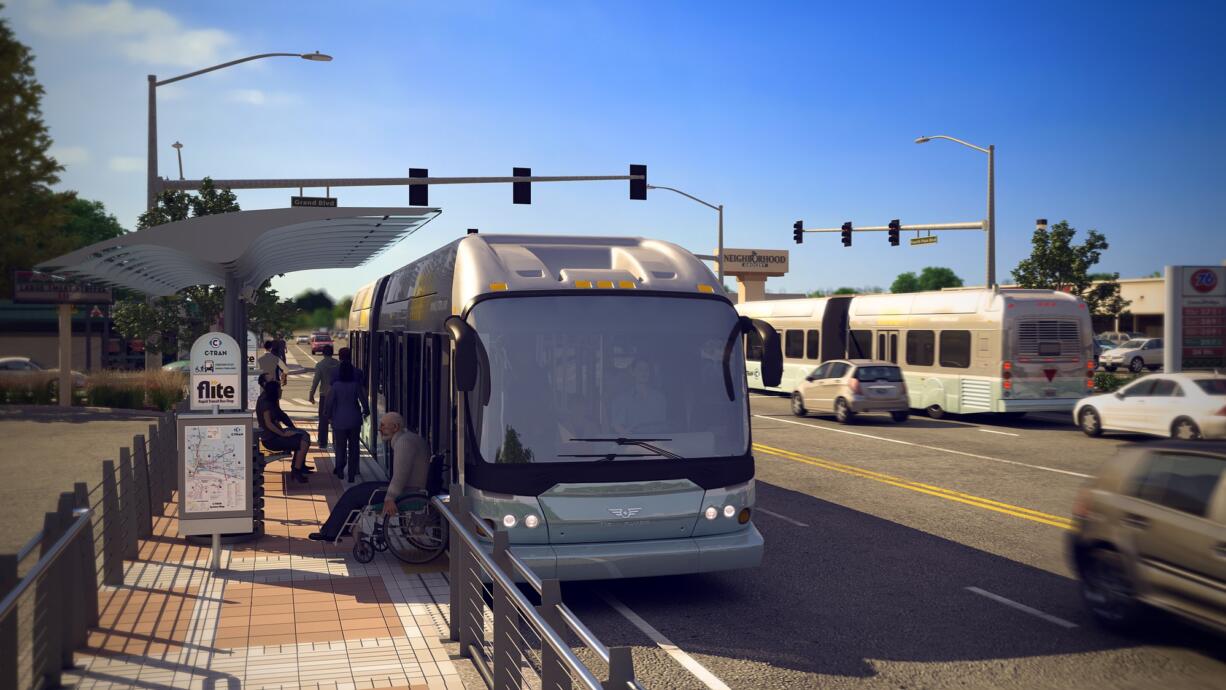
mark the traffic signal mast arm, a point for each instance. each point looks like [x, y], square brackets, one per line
[976, 225]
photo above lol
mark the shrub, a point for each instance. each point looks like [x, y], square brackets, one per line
[1107, 382]
[27, 388]
[136, 389]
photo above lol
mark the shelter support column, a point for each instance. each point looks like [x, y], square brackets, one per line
[235, 325]
[750, 288]
[65, 374]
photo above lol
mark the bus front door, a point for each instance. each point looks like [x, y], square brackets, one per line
[887, 346]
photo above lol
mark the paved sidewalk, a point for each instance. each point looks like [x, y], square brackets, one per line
[284, 611]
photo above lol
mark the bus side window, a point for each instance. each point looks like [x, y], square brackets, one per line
[794, 344]
[861, 345]
[956, 349]
[813, 344]
[920, 348]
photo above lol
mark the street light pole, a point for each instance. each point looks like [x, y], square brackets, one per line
[991, 219]
[179, 153]
[718, 208]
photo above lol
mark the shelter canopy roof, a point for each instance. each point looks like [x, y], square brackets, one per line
[247, 246]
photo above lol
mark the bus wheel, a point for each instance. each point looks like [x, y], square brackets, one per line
[935, 411]
[1090, 422]
[843, 412]
[798, 405]
[1137, 365]
[1185, 429]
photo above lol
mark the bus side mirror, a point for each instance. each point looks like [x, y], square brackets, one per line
[772, 353]
[465, 364]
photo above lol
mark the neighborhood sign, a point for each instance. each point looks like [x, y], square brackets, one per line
[216, 368]
[32, 287]
[755, 261]
[927, 239]
[1196, 317]
[312, 202]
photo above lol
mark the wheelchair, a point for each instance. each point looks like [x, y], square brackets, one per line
[416, 534]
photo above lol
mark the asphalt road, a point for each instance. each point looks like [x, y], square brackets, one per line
[922, 555]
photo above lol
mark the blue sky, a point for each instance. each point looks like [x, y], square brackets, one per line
[1107, 114]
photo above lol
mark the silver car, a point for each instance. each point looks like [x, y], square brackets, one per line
[848, 387]
[1137, 354]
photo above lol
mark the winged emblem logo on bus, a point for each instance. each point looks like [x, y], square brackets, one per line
[624, 512]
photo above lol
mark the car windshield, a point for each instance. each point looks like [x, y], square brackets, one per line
[1133, 344]
[879, 373]
[1212, 386]
[585, 378]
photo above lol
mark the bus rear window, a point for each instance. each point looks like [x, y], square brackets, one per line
[1212, 386]
[1049, 349]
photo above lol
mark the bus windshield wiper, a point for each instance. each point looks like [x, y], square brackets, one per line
[644, 443]
[611, 456]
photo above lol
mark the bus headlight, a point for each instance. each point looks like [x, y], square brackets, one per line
[711, 513]
[729, 511]
[509, 521]
[531, 522]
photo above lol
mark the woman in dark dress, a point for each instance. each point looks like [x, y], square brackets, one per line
[346, 408]
[277, 430]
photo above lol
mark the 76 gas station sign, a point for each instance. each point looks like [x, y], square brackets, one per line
[1195, 317]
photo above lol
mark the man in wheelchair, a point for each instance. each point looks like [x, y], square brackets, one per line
[410, 470]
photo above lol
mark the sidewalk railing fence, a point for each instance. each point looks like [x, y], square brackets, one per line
[49, 589]
[512, 642]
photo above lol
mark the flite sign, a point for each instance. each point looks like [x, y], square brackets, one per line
[216, 368]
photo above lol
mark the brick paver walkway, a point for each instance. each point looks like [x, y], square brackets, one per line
[283, 612]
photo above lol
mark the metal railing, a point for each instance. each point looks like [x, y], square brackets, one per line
[511, 642]
[47, 612]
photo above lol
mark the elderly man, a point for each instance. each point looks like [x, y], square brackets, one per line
[410, 467]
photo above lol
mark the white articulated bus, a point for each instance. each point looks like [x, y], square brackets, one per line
[961, 351]
[588, 395]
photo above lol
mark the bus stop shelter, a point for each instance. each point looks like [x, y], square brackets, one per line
[240, 251]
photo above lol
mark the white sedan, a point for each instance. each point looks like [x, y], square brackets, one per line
[1185, 405]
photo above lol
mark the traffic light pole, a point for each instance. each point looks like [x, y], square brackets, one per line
[975, 225]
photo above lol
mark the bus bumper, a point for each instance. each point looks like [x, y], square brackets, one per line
[616, 560]
[1037, 405]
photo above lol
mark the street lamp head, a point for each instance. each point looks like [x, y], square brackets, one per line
[176, 145]
[923, 140]
[316, 57]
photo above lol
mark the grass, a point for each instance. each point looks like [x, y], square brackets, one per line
[156, 389]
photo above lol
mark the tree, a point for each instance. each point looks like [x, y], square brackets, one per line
[845, 291]
[341, 310]
[30, 212]
[311, 300]
[938, 278]
[1055, 263]
[905, 282]
[88, 222]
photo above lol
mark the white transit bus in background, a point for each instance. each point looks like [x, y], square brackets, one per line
[588, 394]
[961, 351]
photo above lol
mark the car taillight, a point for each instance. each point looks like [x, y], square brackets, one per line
[1221, 412]
[855, 386]
[1081, 503]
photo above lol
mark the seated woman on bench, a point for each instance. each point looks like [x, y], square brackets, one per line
[277, 430]
[410, 469]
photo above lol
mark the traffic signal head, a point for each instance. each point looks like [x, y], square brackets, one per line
[419, 194]
[638, 188]
[895, 226]
[847, 234]
[798, 232]
[521, 192]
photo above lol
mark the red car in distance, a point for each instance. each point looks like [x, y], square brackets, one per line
[318, 341]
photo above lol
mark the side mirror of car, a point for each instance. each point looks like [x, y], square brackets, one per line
[1119, 395]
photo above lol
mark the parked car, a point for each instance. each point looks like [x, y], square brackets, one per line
[1119, 337]
[848, 387]
[183, 366]
[318, 341]
[1137, 354]
[303, 338]
[1184, 405]
[26, 365]
[1150, 531]
[1101, 345]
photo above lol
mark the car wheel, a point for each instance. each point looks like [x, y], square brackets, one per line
[843, 412]
[1110, 367]
[1137, 365]
[1090, 422]
[1108, 591]
[935, 411]
[1185, 429]
[900, 416]
[798, 405]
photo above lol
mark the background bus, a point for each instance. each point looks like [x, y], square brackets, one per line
[961, 351]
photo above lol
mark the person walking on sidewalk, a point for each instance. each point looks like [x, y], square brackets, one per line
[346, 409]
[272, 365]
[325, 371]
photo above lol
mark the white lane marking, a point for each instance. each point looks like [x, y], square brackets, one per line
[688, 662]
[785, 518]
[1002, 433]
[921, 445]
[1024, 608]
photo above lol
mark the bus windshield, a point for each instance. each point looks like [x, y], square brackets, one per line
[608, 378]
